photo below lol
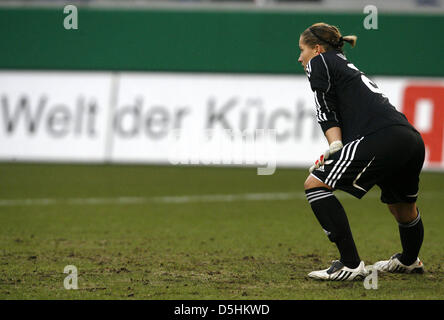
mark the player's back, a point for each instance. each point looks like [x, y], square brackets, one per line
[359, 106]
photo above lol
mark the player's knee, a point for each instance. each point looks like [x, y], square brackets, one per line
[311, 182]
[403, 212]
[393, 210]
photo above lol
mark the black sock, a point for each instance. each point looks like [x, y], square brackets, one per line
[331, 215]
[412, 235]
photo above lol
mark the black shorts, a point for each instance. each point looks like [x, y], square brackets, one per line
[391, 158]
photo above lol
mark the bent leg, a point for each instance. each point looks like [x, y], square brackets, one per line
[331, 216]
[411, 230]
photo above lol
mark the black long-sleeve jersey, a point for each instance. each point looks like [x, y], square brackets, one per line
[346, 98]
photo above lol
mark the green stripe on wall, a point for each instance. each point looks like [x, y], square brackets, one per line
[210, 41]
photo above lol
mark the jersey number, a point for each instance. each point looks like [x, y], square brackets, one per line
[369, 83]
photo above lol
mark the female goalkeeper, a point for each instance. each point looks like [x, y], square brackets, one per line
[370, 143]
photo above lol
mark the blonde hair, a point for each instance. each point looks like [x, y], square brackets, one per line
[328, 36]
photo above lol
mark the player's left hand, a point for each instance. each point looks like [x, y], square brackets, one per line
[334, 147]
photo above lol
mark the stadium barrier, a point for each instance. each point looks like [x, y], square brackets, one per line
[75, 95]
[128, 116]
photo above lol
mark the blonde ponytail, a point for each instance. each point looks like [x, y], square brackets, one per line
[350, 39]
[328, 36]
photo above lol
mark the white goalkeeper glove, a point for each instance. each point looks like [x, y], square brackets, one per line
[334, 147]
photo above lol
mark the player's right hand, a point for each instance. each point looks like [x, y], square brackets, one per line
[318, 163]
[334, 147]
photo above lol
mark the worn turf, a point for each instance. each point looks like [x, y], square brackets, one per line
[154, 232]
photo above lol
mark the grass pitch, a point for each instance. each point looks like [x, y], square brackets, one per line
[148, 232]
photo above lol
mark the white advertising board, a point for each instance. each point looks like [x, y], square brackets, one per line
[53, 116]
[130, 117]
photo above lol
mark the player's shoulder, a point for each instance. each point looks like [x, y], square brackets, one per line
[328, 56]
[326, 62]
[334, 55]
